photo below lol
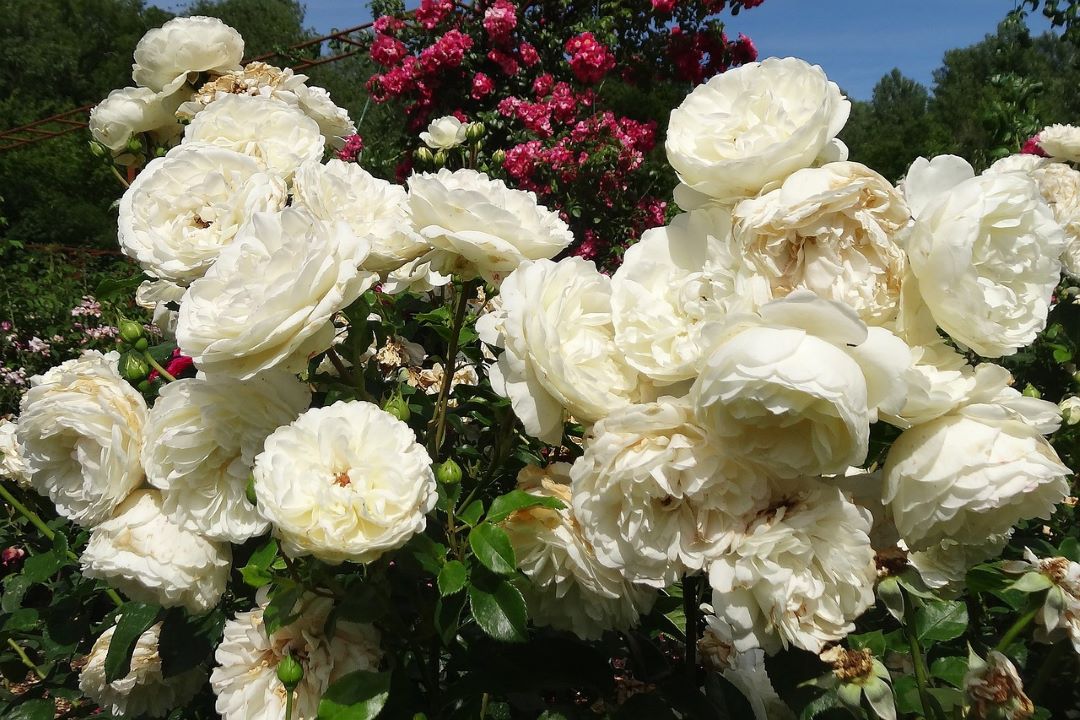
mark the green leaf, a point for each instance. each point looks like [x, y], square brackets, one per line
[279, 611]
[951, 670]
[452, 577]
[15, 587]
[359, 695]
[186, 641]
[492, 548]
[40, 568]
[135, 619]
[470, 515]
[447, 616]
[118, 288]
[33, 710]
[873, 641]
[1070, 549]
[1032, 582]
[504, 505]
[256, 572]
[941, 620]
[499, 609]
[428, 553]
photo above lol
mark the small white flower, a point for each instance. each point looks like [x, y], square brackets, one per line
[444, 133]
[972, 474]
[126, 112]
[801, 573]
[182, 209]
[943, 567]
[568, 588]
[162, 298]
[1070, 410]
[344, 482]
[202, 436]
[751, 127]
[374, 209]
[1061, 142]
[993, 689]
[745, 670]
[81, 431]
[146, 556]
[12, 464]
[269, 298]
[554, 324]
[245, 679]
[144, 691]
[483, 227]
[165, 56]
[277, 134]
[1059, 616]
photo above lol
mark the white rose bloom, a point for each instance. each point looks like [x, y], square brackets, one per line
[654, 497]
[1059, 616]
[165, 56]
[986, 255]
[1060, 188]
[162, 298]
[568, 589]
[971, 474]
[334, 122]
[493, 228]
[126, 112]
[796, 388]
[143, 691]
[671, 285]
[182, 209]
[245, 679]
[12, 464]
[344, 482]
[751, 127]
[554, 323]
[1070, 410]
[81, 431]
[943, 567]
[745, 670]
[831, 230]
[993, 689]
[269, 299]
[802, 572]
[375, 209]
[202, 436]
[277, 134]
[146, 556]
[1061, 142]
[444, 133]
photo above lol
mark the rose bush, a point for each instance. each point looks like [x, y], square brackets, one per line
[405, 453]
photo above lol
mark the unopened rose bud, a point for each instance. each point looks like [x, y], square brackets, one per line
[133, 367]
[135, 145]
[290, 672]
[475, 131]
[423, 156]
[144, 386]
[440, 158]
[1031, 391]
[130, 331]
[448, 472]
[498, 157]
[160, 151]
[142, 344]
[12, 558]
[398, 407]
[99, 150]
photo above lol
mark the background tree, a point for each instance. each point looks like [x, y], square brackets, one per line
[891, 129]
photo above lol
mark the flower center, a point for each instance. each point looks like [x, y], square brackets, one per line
[342, 479]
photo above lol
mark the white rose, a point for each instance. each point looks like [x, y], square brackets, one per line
[12, 464]
[1061, 142]
[375, 209]
[81, 433]
[800, 574]
[943, 567]
[1060, 188]
[202, 436]
[752, 126]
[654, 497]
[831, 230]
[126, 112]
[182, 209]
[993, 689]
[165, 56]
[674, 283]
[444, 133]
[745, 670]
[144, 691]
[334, 122]
[1070, 410]
[796, 388]
[277, 134]
[150, 559]
[344, 482]
[490, 227]
[1059, 616]
[568, 589]
[554, 323]
[268, 300]
[985, 253]
[245, 679]
[162, 298]
[971, 474]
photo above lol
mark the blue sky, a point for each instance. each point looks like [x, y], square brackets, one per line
[856, 41]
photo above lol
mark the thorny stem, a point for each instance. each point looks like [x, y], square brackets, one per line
[37, 522]
[25, 658]
[346, 375]
[289, 704]
[437, 427]
[922, 675]
[1017, 627]
[119, 177]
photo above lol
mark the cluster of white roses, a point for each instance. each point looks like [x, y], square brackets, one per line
[731, 372]
[260, 245]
